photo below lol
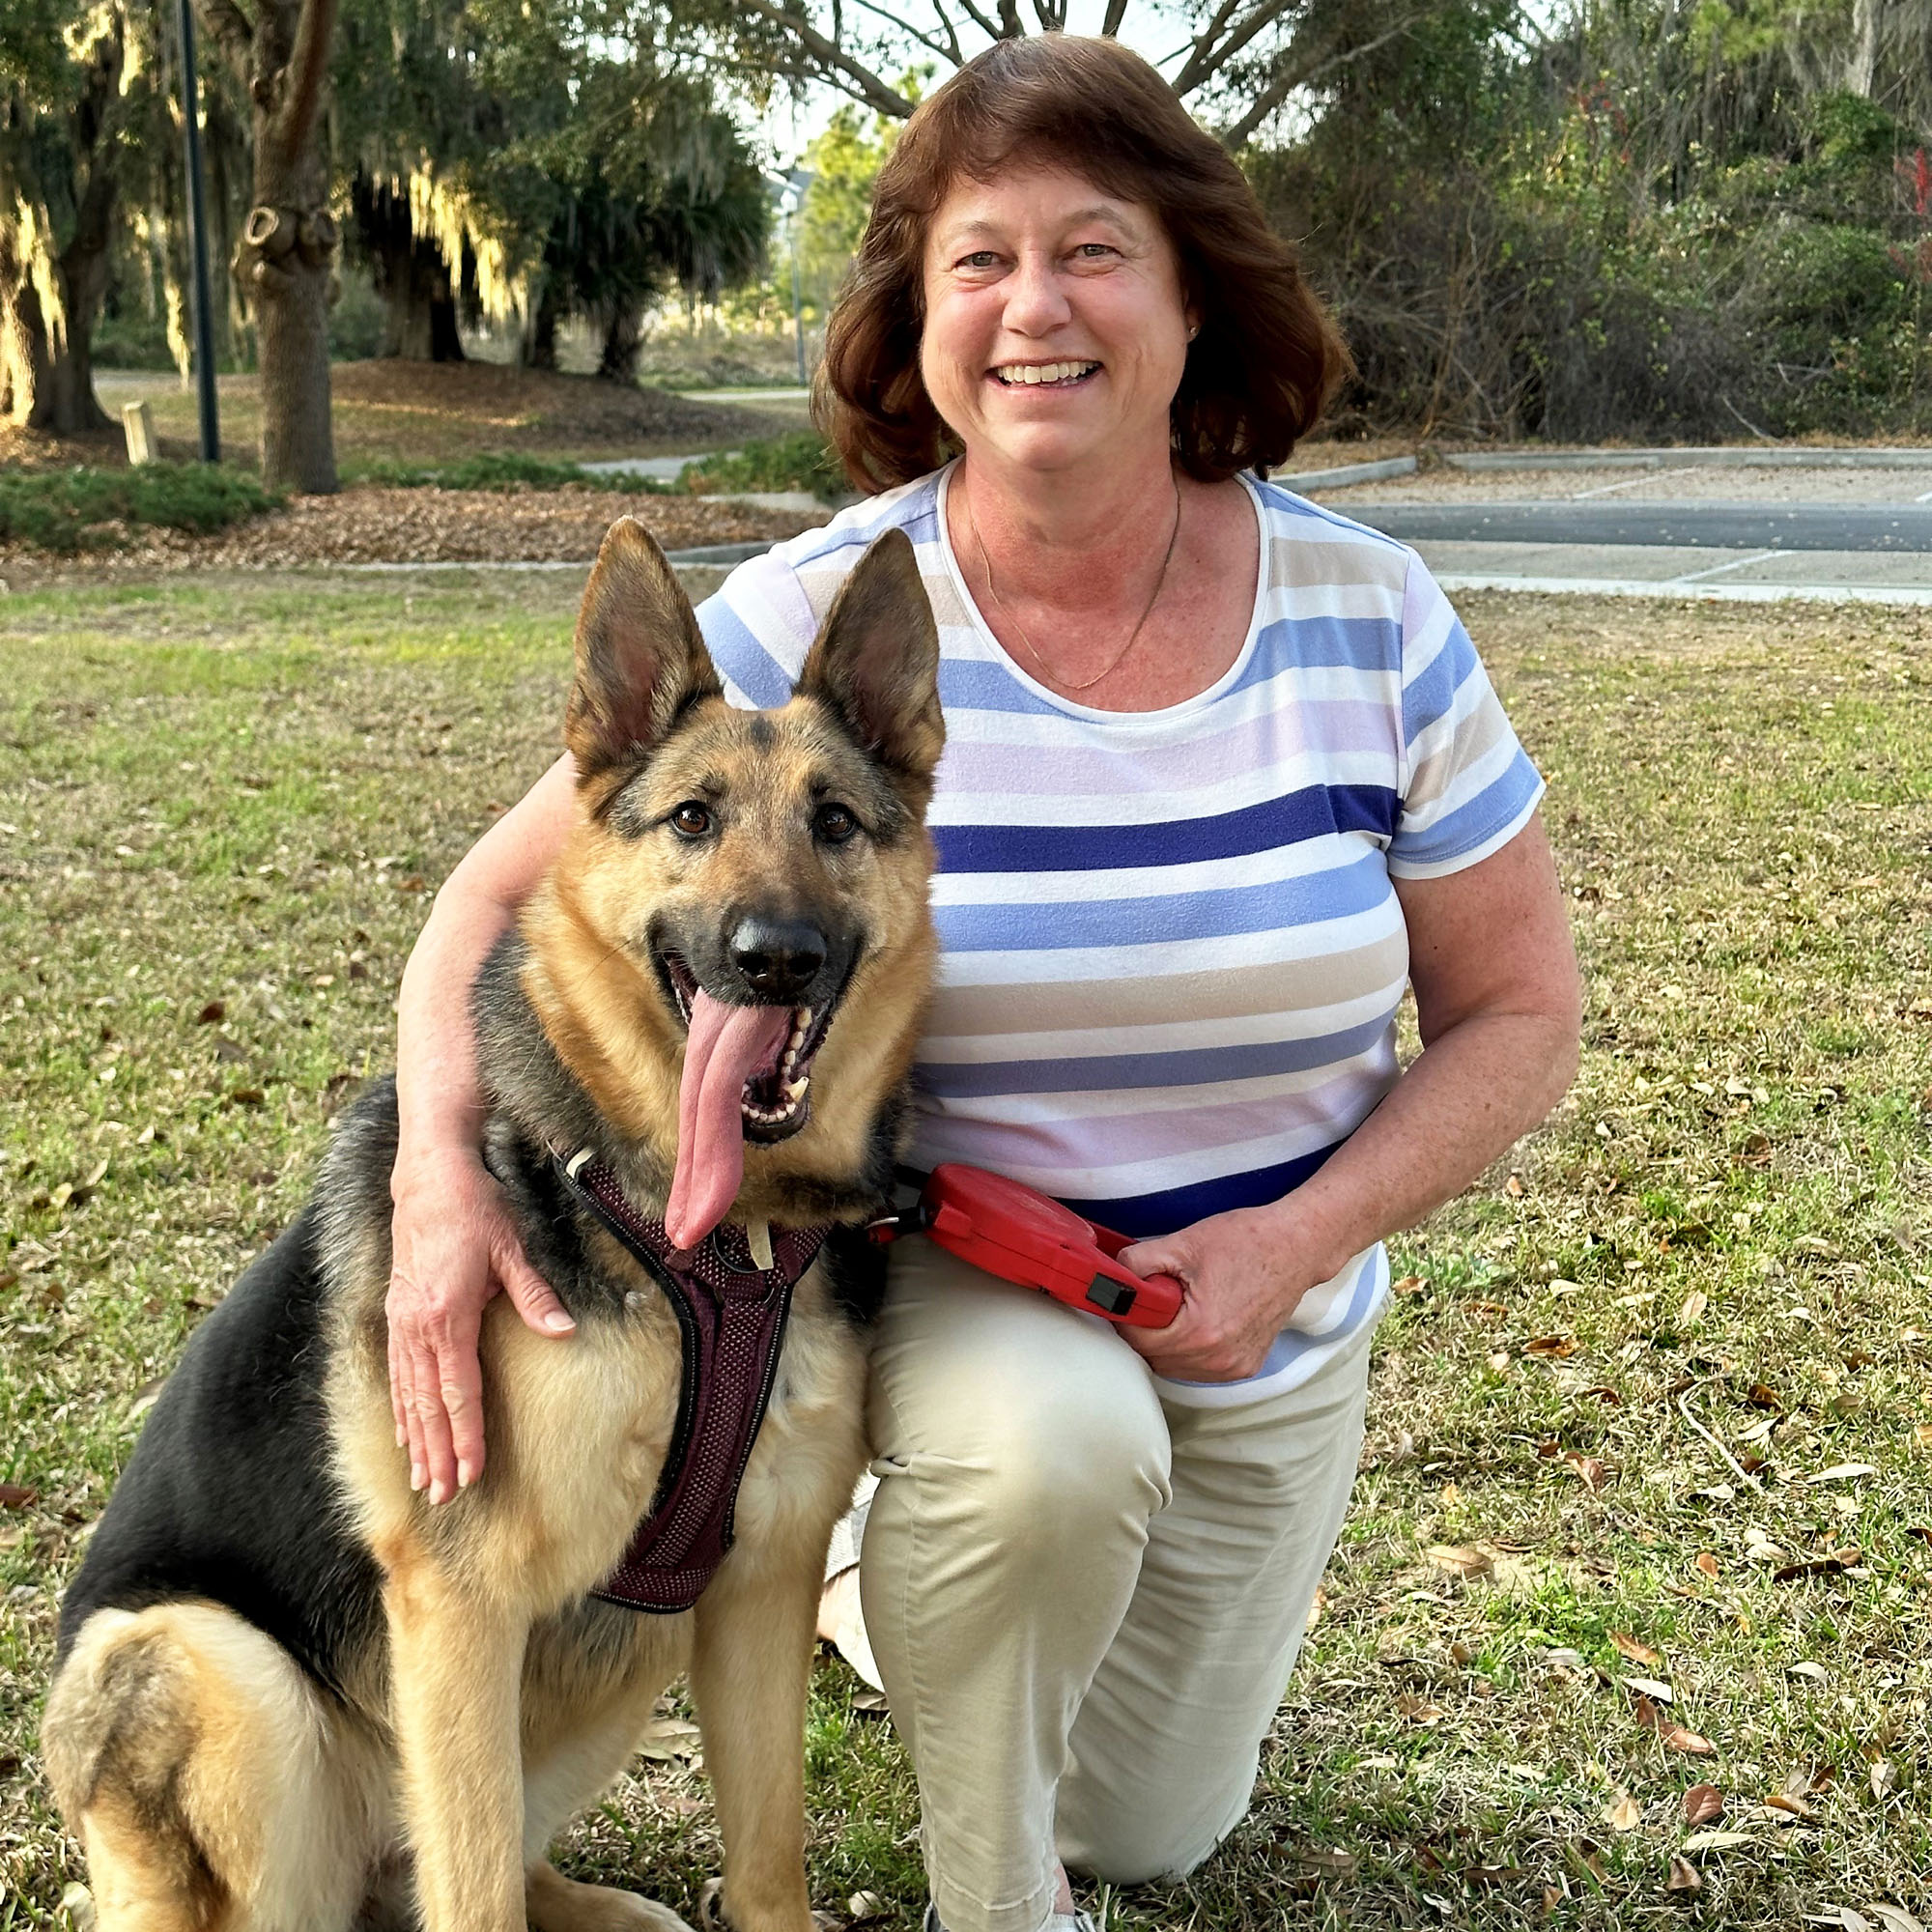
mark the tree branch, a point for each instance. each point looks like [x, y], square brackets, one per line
[1009, 20]
[835, 64]
[307, 74]
[234, 33]
[1111, 24]
[906, 27]
[1265, 14]
[1285, 83]
[954, 51]
[981, 18]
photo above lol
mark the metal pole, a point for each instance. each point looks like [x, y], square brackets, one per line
[197, 238]
[797, 313]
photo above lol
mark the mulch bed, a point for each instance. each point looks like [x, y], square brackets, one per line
[389, 525]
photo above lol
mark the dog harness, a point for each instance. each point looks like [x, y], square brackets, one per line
[731, 1306]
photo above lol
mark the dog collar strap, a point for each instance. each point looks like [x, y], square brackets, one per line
[731, 1317]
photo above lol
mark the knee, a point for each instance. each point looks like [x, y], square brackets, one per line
[1048, 1465]
[1144, 1849]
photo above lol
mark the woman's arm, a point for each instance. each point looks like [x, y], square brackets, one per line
[453, 1243]
[1496, 992]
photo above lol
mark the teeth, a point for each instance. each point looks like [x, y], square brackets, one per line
[796, 1089]
[803, 1021]
[1034, 373]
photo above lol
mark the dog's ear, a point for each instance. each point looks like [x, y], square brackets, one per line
[876, 662]
[639, 656]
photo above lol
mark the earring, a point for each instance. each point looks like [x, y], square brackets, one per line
[1194, 329]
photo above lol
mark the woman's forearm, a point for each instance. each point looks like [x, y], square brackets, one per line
[438, 1098]
[1469, 1096]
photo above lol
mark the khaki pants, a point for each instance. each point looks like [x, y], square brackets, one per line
[1085, 1602]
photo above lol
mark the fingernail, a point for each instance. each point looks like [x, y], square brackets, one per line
[402, 1436]
[559, 1323]
[440, 1492]
[464, 1475]
[418, 1475]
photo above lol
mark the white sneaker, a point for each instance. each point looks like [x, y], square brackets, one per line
[1058, 1921]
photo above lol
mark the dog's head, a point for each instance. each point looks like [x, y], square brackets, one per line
[752, 883]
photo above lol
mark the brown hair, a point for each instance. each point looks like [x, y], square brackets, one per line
[1268, 357]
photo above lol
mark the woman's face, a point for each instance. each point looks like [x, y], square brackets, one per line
[1055, 325]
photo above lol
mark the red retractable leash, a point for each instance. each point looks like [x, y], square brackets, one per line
[1023, 1236]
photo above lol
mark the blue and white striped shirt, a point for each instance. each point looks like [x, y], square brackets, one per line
[1171, 955]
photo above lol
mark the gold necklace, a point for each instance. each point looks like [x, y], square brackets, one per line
[1121, 656]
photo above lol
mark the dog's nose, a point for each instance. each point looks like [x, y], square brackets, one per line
[778, 958]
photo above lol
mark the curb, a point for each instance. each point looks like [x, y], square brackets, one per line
[1690, 593]
[1303, 480]
[1721, 456]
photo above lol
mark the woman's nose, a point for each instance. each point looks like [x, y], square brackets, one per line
[1036, 302]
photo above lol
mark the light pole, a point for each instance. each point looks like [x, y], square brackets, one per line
[789, 190]
[197, 239]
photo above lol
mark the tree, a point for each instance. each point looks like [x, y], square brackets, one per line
[66, 106]
[285, 263]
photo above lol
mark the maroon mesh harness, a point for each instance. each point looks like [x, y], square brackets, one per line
[731, 1318]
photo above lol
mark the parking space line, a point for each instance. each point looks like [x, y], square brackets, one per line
[1649, 476]
[1719, 569]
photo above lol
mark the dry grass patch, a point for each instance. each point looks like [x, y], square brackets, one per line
[1652, 1404]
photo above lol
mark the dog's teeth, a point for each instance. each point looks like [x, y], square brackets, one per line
[790, 1055]
[796, 1089]
[803, 1018]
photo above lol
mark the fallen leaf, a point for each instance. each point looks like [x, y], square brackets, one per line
[864, 1906]
[226, 1051]
[1831, 1564]
[1589, 1467]
[1884, 1779]
[1329, 1862]
[1410, 1284]
[1792, 1807]
[1718, 1841]
[1461, 1559]
[669, 1739]
[1842, 1472]
[1701, 1804]
[1896, 1918]
[1623, 1814]
[211, 1013]
[17, 1495]
[1671, 1733]
[868, 1702]
[1638, 1653]
[1684, 1875]
[1707, 1564]
[1692, 1311]
[1417, 1710]
[1816, 1672]
[1651, 1688]
[1557, 1347]
[1587, 1860]
[1760, 1395]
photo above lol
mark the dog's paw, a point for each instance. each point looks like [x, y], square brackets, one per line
[559, 1904]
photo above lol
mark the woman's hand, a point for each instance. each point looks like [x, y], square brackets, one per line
[1244, 1274]
[453, 1246]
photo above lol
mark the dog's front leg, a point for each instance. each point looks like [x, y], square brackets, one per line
[750, 1668]
[456, 1667]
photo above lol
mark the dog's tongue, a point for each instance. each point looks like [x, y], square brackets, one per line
[727, 1046]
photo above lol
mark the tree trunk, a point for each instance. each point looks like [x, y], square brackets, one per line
[420, 322]
[286, 259]
[623, 338]
[538, 348]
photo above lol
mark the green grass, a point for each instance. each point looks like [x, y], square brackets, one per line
[84, 508]
[503, 470]
[800, 461]
[244, 793]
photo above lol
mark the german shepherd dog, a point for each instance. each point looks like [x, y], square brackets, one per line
[292, 1697]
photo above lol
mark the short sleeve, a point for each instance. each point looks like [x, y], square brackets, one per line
[759, 626]
[1468, 785]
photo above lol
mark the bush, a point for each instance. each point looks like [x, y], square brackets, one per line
[800, 461]
[68, 510]
[505, 470]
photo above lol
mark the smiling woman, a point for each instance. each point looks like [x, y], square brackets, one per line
[1223, 775]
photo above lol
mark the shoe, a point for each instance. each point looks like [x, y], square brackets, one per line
[1059, 1921]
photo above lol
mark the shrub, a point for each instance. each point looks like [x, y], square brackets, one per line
[800, 461]
[504, 470]
[83, 508]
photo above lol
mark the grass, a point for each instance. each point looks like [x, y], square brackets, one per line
[800, 461]
[239, 794]
[506, 471]
[85, 508]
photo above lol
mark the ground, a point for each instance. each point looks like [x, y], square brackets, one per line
[424, 412]
[1641, 1526]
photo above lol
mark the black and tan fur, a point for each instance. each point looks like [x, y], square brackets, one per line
[293, 1697]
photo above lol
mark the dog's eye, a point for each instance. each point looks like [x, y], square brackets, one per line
[691, 820]
[835, 824]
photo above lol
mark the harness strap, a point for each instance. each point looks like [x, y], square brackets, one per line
[731, 1317]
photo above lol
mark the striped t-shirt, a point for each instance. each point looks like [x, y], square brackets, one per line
[1171, 956]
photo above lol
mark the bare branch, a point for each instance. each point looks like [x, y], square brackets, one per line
[1116, 12]
[981, 18]
[954, 53]
[906, 27]
[833, 62]
[1009, 20]
[1290, 78]
[232, 31]
[1212, 59]
[307, 74]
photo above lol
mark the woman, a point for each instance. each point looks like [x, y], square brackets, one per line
[1222, 773]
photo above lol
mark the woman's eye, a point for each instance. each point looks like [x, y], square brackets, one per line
[691, 820]
[835, 824]
[981, 258]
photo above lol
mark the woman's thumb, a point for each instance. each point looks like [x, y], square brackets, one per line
[536, 1302]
